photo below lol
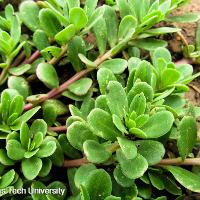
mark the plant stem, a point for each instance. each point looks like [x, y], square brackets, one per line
[58, 129]
[54, 92]
[179, 161]
[168, 161]
[33, 57]
[75, 163]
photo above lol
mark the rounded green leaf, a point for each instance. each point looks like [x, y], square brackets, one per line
[119, 124]
[46, 167]
[37, 140]
[14, 150]
[66, 34]
[38, 125]
[16, 106]
[132, 168]
[20, 84]
[49, 22]
[187, 136]
[98, 184]
[95, 152]
[7, 179]
[38, 185]
[116, 99]
[156, 180]
[18, 71]
[47, 74]
[29, 12]
[104, 75]
[73, 132]
[40, 40]
[101, 121]
[82, 173]
[78, 17]
[117, 65]
[80, 87]
[128, 147]
[152, 151]
[4, 159]
[186, 178]
[121, 179]
[31, 167]
[153, 129]
[46, 149]
[127, 23]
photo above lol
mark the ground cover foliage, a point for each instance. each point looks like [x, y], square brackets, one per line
[92, 102]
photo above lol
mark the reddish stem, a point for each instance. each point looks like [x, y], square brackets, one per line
[75, 163]
[58, 128]
[33, 57]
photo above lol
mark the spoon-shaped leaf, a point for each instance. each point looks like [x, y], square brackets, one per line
[47, 74]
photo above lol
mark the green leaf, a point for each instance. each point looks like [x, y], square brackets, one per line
[46, 167]
[74, 131]
[38, 125]
[53, 50]
[29, 154]
[152, 151]
[138, 104]
[124, 7]
[104, 75]
[128, 147]
[90, 6]
[78, 17]
[20, 84]
[66, 34]
[141, 87]
[46, 149]
[88, 62]
[38, 185]
[156, 181]
[132, 168]
[31, 167]
[82, 173]
[186, 178]
[117, 65]
[149, 44]
[73, 3]
[128, 22]
[95, 152]
[112, 198]
[116, 99]
[20, 70]
[100, 31]
[7, 179]
[14, 150]
[153, 129]
[185, 18]
[24, 118]
[37, 140]
[159, 31]
[121, 179]
[76, 46]
[111, 24]
[84, 193]
[98, 184]
[40, 40]
[29, 12]
[101, 102]
[141, 120]
[25, 135]
[16, 106]
[169, 77]
[101, 121]
[49, 22]
[80, 87]
[47, 74]
[119, 124]
[187, 136]
[4, 159]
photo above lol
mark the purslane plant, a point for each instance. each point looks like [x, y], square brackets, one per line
[129, 122]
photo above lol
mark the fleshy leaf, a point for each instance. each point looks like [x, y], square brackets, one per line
[101, 121]
[188, 136]
[95, 152]
[47, 74]
[31, 167]
[153, 129]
